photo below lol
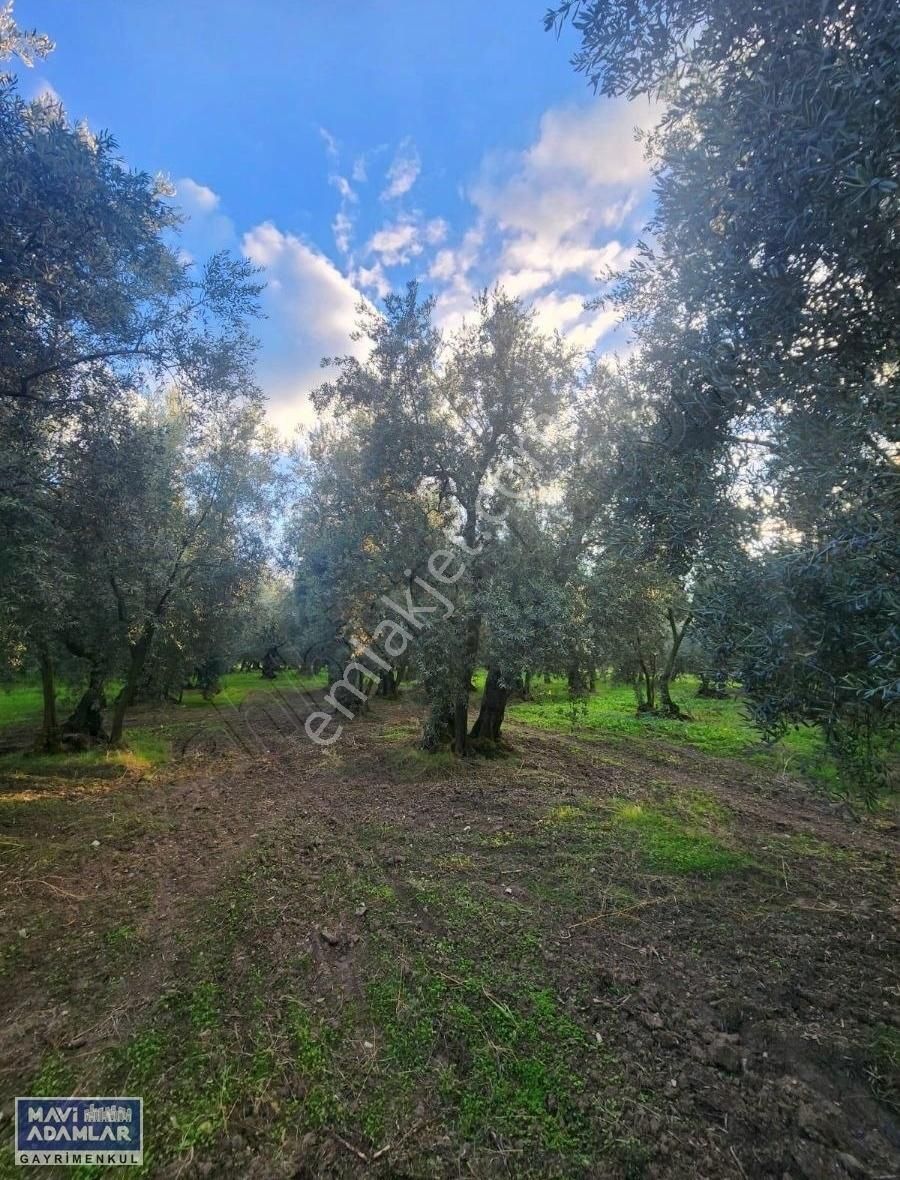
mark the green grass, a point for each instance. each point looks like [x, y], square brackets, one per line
[720, 728]
[237, 686]
[21, 703]
[461, 1019]
[671, 846]
[145, 748]
[502, 1066]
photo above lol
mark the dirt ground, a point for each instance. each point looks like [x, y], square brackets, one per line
[585, 958]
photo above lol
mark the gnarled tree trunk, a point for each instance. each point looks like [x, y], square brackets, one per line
[438, 730]
[87, 716]
[138, 653]
[493, 708]
[578, 684]
[648, 677]
[669, 707]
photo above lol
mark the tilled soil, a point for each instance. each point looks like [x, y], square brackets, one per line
[745, 1023]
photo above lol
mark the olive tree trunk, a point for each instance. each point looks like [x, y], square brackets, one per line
[138, 652]
[493, 708]
[87, 716]
[669, 707]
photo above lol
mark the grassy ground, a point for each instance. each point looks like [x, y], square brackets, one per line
[21, 702]
[604, 955]
[717, 727]
[151, 732]
[236, 686]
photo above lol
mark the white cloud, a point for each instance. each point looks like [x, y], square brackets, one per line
[399, 241]
[567, 315]
[403, 172]
[595, 142]
[194, 197]
[454, 268]
[546, 223]
[435, 231]
[553, 219]
[342, 184]
[208, 229]
[593, 327]
[372, 278]
[331, 146]
[559, 312]
[554, 202]
[343, 223]
[396, 243]
[342, 228]
[311, 308]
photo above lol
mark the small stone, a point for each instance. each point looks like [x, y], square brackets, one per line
[95, 844]
[23, 933]
[360, 910]
[330, 937]
[652, 1020]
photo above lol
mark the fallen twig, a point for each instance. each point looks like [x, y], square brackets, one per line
[62, 892]
[382, 1151]
[360, 1155]
[604, 913]
[738, 1162]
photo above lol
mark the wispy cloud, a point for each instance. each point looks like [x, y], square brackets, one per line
[371, 278]
[544, 222]
[343, 225]
[310, 305]
[399, 241]
[552, 219]
[403, 172]
[342, 228]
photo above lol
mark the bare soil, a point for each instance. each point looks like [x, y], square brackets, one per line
[357, 961]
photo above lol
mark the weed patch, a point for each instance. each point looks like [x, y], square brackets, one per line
[672, 847]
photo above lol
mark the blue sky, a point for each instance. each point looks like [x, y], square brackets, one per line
[349, 145]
